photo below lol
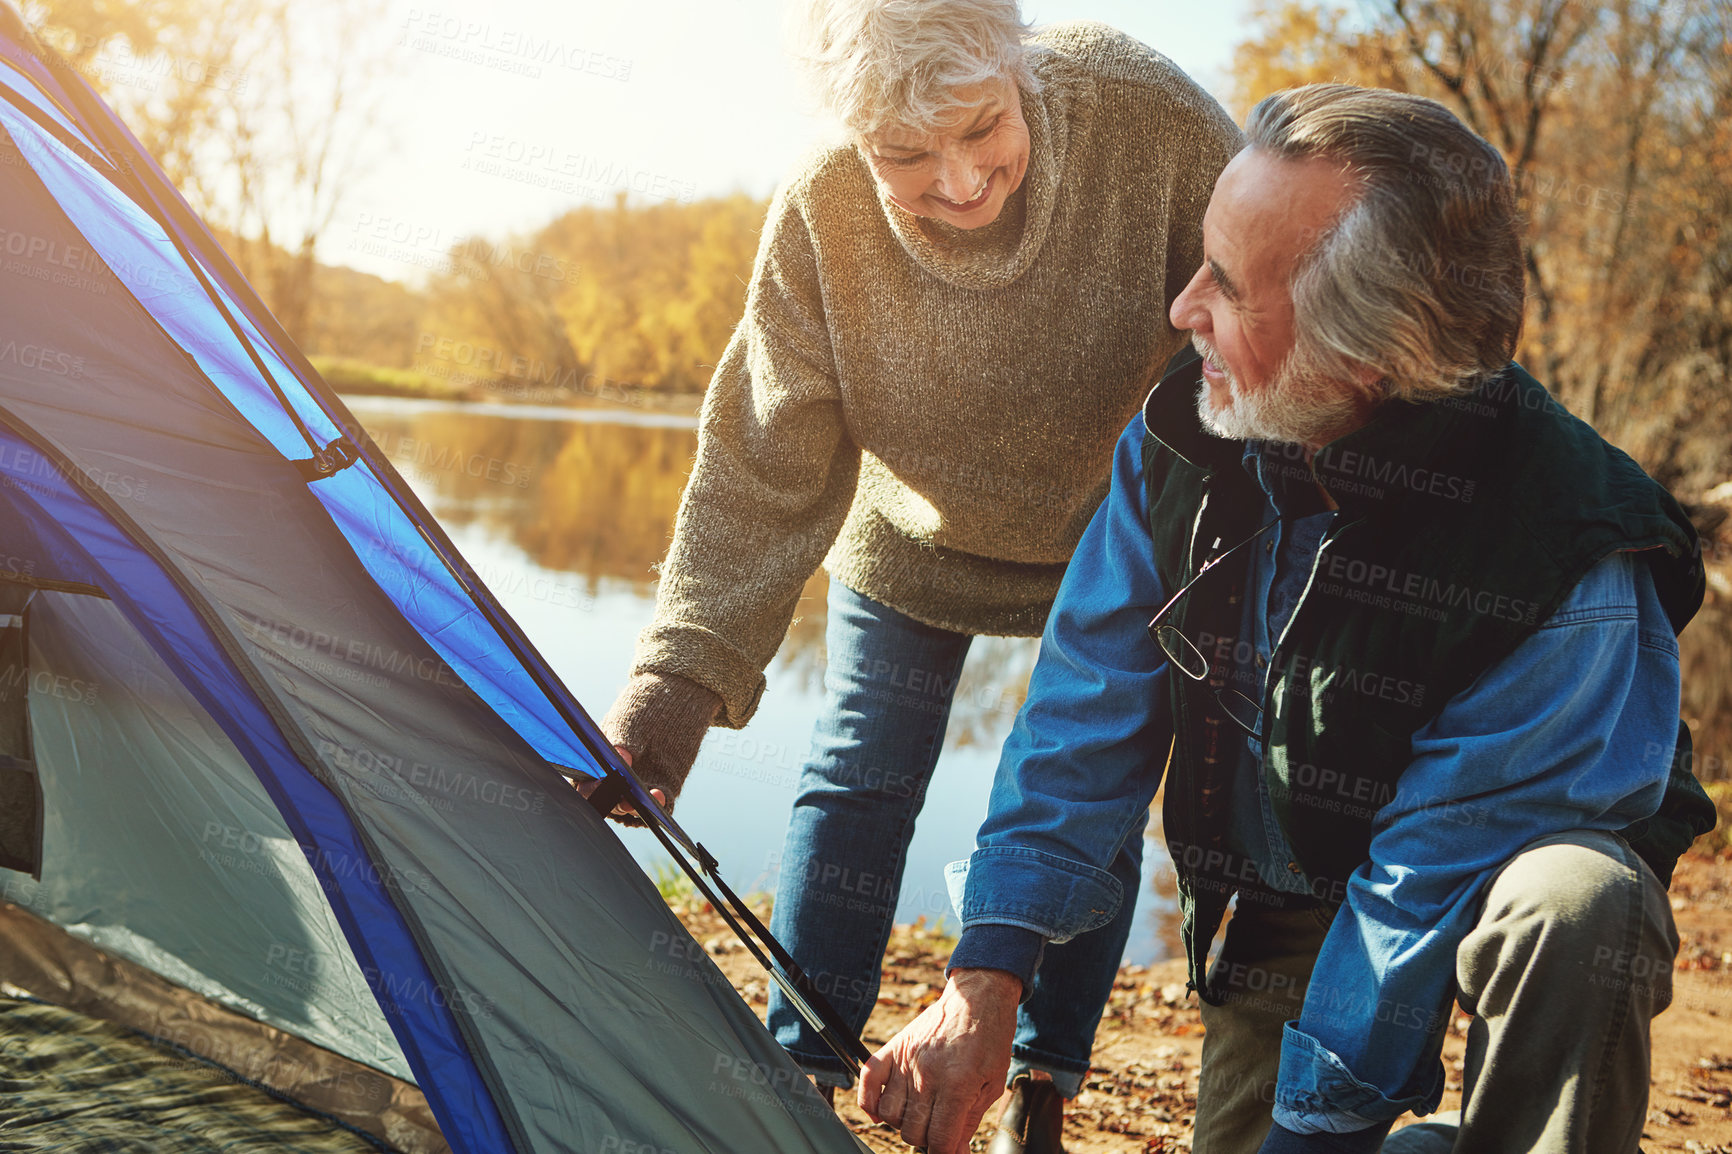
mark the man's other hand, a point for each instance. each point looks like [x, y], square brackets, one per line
[936, 1079]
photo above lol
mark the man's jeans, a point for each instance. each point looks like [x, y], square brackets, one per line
[1570, 958]
[888, 685]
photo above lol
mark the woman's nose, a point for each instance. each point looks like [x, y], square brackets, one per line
[959, 175]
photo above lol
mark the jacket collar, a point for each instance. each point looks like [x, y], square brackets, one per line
[1378, 464]
[1401, 452]
[1170, 416]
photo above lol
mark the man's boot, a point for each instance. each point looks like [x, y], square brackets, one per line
[1033, 1120]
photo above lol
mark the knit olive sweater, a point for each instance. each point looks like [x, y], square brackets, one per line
[929, 412]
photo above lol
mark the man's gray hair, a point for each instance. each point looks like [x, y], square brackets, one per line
[1422, 277]
[879, 63]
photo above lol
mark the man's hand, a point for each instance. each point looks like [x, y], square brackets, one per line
[624, 808]
[936, 1078]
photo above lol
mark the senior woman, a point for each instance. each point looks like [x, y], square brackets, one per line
[950, 319]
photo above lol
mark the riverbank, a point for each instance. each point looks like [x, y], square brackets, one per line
[351, 378]
[1141, 1096]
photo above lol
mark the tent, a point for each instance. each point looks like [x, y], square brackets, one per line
[281, 786]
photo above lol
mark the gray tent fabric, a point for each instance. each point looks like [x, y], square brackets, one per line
[593, 1023]
[162, 847]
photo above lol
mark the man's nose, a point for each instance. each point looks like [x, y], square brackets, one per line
[1187, 311]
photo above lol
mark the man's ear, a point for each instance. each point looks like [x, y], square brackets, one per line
[1370, 381]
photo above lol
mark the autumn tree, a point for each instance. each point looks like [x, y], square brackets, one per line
[659, 287]
[502, 296]
[613, 299]
[297, 138]
[1614, 119]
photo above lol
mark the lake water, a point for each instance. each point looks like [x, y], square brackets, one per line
[563, 513]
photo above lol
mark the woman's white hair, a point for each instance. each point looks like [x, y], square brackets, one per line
[877, 63]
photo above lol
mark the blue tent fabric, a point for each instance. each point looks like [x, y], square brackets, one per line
[29, 89]
[262, 328]
[408, 735]
[141, 256]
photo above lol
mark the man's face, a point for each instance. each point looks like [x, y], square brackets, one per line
[1266, 213]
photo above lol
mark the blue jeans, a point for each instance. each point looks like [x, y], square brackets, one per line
[888, 686]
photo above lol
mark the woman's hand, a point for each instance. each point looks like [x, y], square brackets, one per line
[624, 808]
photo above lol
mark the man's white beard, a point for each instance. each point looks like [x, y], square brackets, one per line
[1295, 407]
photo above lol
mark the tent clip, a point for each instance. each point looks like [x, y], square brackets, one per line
[608, 792]
[333, 458]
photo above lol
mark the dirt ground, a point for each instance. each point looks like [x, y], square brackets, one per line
[1141, 1094]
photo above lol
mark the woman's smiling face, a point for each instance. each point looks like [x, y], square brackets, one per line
[963, 171]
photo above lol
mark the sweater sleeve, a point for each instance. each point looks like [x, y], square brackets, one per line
[774, 477]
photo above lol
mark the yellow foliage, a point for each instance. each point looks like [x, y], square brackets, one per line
[601, 301]
[656, 290]
[1307, 44]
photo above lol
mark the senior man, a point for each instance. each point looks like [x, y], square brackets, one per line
[1400, 633]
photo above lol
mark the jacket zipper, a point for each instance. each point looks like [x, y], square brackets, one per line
[1329, 538]
[1188, 787]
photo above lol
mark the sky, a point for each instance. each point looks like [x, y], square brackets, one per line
[495, 116]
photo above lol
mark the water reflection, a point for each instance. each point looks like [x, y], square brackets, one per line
[597, 501]
[591, 502]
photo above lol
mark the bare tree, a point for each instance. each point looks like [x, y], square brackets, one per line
[263, 112]
[301, 136]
